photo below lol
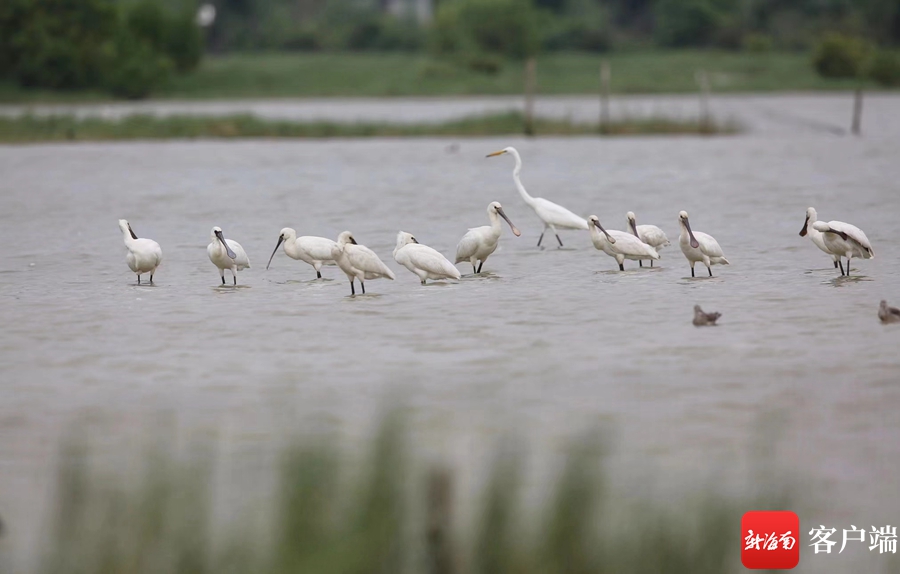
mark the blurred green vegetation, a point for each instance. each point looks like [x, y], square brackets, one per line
[68, 128]
[386, 510]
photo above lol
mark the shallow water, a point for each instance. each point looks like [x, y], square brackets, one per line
[547, 341]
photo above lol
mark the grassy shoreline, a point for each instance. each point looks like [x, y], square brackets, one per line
[33, 129]
[296, 75]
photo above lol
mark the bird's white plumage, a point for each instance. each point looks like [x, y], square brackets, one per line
[816, 236]
[358, 261]
[315, 251]
[649, 234]
[220, 257]
[553, 216]
[144, 255]
[480, 242]
[625, 245]
[425, 262]
[845, 239]
[707, 250]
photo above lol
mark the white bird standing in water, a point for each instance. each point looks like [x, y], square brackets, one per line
[226, 254]
[310, 249]
[844, 240]
[358, 261]
[619, 245]
[554, 216]
[817, 236]
[144, 255]
[649, 234]
[422, 260]
[479, 242]
[698, 246]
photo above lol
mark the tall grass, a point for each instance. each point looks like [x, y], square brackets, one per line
[395, 515]
[25, 129]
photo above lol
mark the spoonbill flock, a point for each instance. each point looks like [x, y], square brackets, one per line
[640, 243]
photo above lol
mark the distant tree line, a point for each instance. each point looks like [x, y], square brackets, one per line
[125, 48]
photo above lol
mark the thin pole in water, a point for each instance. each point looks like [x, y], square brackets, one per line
[530, 82]
[857, 111]
[703, 80]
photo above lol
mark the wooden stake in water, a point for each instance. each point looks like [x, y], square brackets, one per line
[857, 111]
[705, 119]
[530, 83]
[604, 96]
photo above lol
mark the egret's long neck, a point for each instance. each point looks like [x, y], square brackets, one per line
[516, 170]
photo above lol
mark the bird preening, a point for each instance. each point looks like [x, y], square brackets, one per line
[837, 239]
[703, 319]
[144, 255]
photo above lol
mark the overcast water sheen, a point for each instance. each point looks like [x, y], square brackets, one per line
[546, 342]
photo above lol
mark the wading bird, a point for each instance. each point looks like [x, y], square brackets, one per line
[815, 235]
[226, 254]
[144, 255]
[844, 240]
[888, 314]
[422, 260]
[358, 261]
[698, 246]
[479, 242]
[554, 216]
[618, 244]
[702, 319]
[315, 251]
[649, 234]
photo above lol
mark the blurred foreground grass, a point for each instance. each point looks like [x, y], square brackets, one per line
[372, 74]
[29, 128]
[394, 513]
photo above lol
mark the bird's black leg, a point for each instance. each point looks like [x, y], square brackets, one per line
[480, 264]
[541, 238]
[423, 281]
[233, 276]
[151, 278]
[841, 263]
[223, 278]
[363, 285]
[651, 263]
[352, 288]
[621, 267]
[474, 270]
[139, 279]
[710, 271]
[848, 267]
[318, 275]
[692, 271]
[641, 263]
[835, 264]
[558, 239]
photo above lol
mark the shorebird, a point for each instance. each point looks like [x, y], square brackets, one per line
[144, 255]
[422, 260]
[702, 319]
[358, 261]
[226, 254]
[649, 234]
[698, 246]
[619, 245]
[479, 242]
[888, 314]
[310, 249]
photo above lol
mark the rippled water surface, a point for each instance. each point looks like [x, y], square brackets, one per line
[547, 341]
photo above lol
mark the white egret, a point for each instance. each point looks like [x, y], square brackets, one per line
[702, 318]
[888, 314]
[358, 261]
[144, 255]
[554, 216]
[649, 234]
[618, 244]
[815, 235]
[479, 242]
[698, 246]
[226, 254]
[845, 240]
[422, 260]
[310, 249]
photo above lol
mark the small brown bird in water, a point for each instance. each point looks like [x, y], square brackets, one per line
[702, 319]
[888, 314]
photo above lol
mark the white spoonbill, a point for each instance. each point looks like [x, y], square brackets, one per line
[144, 255]
[422, 260]
[551, 214]
[479, 242]
[358, 261]
[226, 254]
[698, 246]
[619, 245]
[815, 235]
[310, 249]
[844, 240]
[649, 234]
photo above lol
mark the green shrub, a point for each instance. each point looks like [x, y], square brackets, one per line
[685, 22]
[885, 69]
[587, 33]
[757, 43]
[840, 56]
[484, 64]
[503, 27]
[175, 35]
[136, 68]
